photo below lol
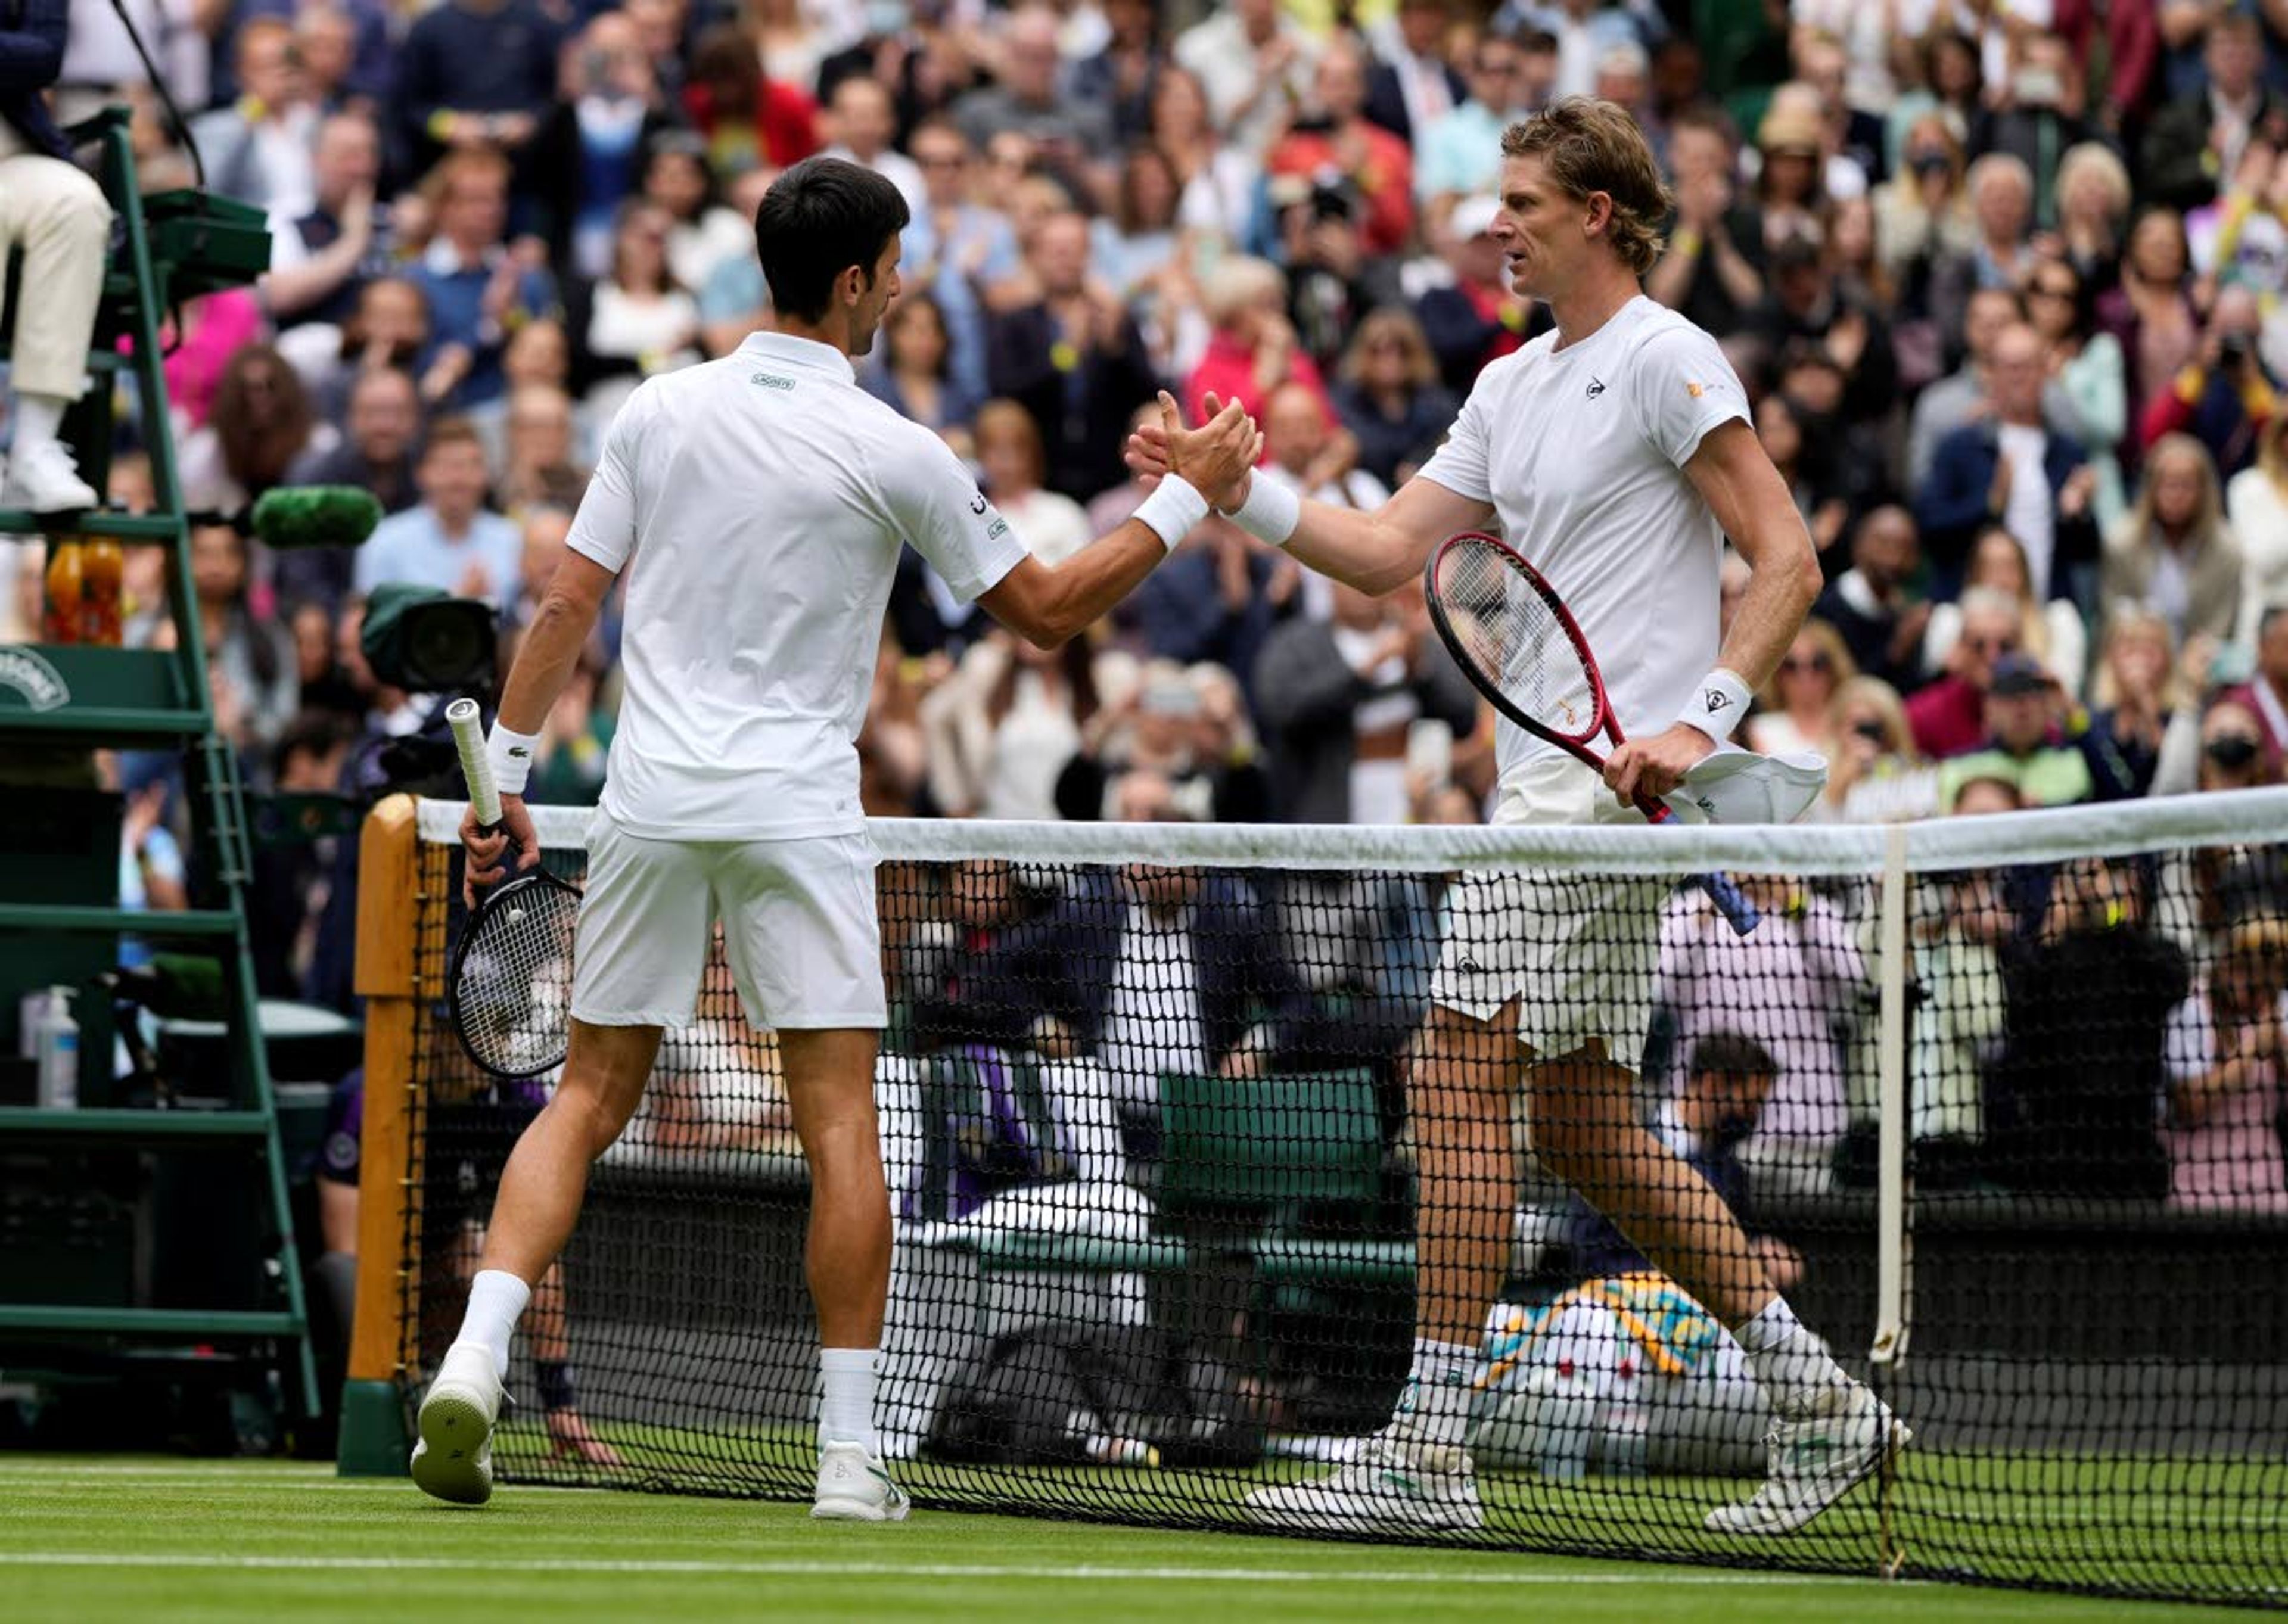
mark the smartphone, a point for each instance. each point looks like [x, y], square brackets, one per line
[1430, 751]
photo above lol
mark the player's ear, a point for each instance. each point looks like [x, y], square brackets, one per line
[1597, 213]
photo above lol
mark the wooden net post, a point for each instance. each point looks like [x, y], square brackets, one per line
[375, 1436]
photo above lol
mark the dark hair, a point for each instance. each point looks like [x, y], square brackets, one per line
[2085, 296]
[257, 446]
[1728, 1054]
[311, 732]
[818, 220]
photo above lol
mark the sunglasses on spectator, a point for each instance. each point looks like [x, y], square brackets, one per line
[1992, 645]
[1807, 662]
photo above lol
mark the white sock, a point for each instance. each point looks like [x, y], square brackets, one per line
[1790, 1363]
[39, 419]
[845, 1412]
[1436, 1406]
[496, 1300]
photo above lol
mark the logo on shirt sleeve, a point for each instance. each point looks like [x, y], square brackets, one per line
[1695, 389]
[977, 503]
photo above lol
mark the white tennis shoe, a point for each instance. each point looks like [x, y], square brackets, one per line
[1396, 1485]
[454, 1460]
[45, 478]
[1816, 1459]
[853, 1487]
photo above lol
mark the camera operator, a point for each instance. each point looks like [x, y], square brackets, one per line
[52, 209]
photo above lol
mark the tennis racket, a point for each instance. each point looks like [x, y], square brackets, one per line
[1514, 639]
[510, 984]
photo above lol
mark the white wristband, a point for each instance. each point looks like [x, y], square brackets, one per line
[509, 755]
[1271, 509]
[1718, 701]
[1172, 509]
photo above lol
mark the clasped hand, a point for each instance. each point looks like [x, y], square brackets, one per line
[1214, 458]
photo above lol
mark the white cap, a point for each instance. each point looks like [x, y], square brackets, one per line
[1474, 215]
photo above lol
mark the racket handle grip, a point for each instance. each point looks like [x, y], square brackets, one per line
[1738, 912]
[1730, 902]
[468, 725]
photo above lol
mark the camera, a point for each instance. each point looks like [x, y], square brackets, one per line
[2234, 350]
[421, 640]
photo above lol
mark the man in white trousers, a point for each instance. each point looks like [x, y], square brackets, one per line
[55, 212]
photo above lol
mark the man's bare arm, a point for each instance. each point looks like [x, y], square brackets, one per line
[1750, 500]
[1048, 604]
[552, 643]
[1373, 551]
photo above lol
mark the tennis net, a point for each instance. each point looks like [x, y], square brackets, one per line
[2002, 1099]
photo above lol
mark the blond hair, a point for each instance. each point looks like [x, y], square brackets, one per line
[1873, 694]
[2127, 621]
[1240, 283]
[1830, 642]
[1592, 145]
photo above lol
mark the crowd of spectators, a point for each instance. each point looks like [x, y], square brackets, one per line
[2004, 280]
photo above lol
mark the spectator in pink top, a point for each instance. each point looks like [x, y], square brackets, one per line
[2228, 1064]
[1252, 350]
[1789, 985]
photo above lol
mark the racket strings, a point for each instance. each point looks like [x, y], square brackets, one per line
[513, 994]
[1515, 635]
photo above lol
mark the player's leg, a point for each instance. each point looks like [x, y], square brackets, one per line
[1416, 1474]
[1831, 1432]
[541, 1190]
[1585, 1126]
[641, 948]
[801, 934]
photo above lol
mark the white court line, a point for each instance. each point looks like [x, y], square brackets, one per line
[793, 1566]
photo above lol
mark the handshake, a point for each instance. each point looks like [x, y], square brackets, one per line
[1216, 459]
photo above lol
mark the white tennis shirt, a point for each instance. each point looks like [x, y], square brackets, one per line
[1581, 451]
[757, 503]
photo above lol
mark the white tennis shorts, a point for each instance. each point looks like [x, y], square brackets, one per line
[1576, 951]
[799, 930]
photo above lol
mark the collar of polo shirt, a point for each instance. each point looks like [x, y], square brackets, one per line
[787, 350]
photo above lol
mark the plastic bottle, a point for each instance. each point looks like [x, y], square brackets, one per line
[61, 623]
[101, 570]
[1624, 1430]
[1568, 1411]
[56, 1051]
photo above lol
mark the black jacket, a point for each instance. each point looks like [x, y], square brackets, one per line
[31, 57]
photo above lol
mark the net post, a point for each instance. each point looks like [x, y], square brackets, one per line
[1894, 1259]
[1893, 1262]
[374, 1435]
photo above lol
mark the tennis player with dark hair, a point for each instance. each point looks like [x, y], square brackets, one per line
[1615, 454]
[757, 503]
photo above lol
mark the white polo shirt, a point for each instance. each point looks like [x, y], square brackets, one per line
[758, 503]
[1581, 451]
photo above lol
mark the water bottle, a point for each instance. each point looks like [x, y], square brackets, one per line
[1624, 1430]
[1569, 1412]
[56, 1052]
